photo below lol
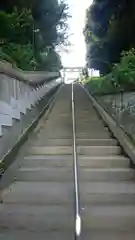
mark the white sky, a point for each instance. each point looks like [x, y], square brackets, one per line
[76, 55]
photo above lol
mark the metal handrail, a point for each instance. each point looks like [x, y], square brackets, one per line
[76, 183]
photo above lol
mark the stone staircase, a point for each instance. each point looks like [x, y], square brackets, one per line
[39, 201]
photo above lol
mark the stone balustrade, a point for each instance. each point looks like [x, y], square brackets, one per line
[20, 91]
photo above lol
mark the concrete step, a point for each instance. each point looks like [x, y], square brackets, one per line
[68, 132]
[80, 130]
[84, 150]
[47, 161]
[84, 135]
[85, 117]
[67, 161]
[92, 131]
[52, 142]
[98, 150]
[69, 142]
[89, 121]
[39, 193]
[109, 218]
[53, 150]
[53, 136]
[110, 174]
[108, 235]
[94, 135]
[66, 174]
[63, 131]
[87, 135]
[34, 235]
[89, 112]
[97, 142]
[84, 110]
[33, 217]
[45, 174]
[107, 193]
[88, 126]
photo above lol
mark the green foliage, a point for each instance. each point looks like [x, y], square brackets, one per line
[108, 31]
[6, 57]
[122, 76]
[8, 5]
[124, 72]
[22, 55]
[29, 29]
[51, 17]
[100, 85]
[16, 27]
[16, 38]
[50, 61]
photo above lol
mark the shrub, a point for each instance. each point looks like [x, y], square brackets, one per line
[22, 55]
[122, 76]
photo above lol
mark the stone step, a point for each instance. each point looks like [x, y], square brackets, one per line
[110, 161]
[52, 142]
[86, 117]
[66, 174]
[92, 127]
[107, 193]
[47, 161]
[92, 131]
[110, 174]
[52, 150]
[36, 218]
[94, 135]
[45, 174]
[97, 142]
[98, 150]
[39, 193]
[52, 136]
[109, 218]
[67, 161]
[9, 234]
[108, 235]
[84, 150]
[68, 130]
[69, 142]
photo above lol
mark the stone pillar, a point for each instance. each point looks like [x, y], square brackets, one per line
[5, 101]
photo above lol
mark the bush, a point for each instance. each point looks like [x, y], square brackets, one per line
[4, 56]
[122, 77]
[100, 85]
[22, 55]
[15, 38]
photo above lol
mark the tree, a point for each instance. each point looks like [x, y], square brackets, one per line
[110, 24]
[40, 25]
[51, 61]
[16, 27]
[8, 5]
[51, 17]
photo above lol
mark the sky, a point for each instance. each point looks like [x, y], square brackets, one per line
[77, 52]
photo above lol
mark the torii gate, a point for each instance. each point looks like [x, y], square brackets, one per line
[72, 70]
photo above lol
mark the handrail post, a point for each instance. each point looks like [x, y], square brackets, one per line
[76, 183]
